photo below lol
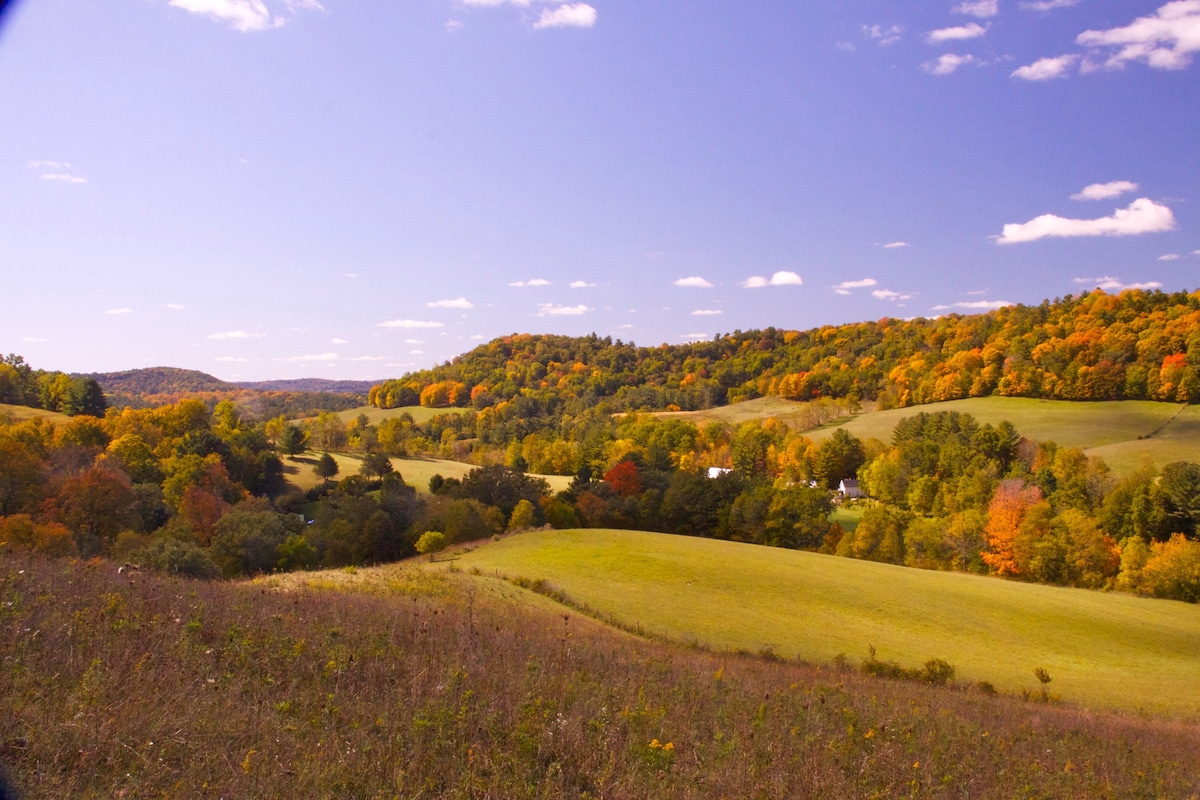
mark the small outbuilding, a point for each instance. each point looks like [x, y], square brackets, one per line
[849, 489]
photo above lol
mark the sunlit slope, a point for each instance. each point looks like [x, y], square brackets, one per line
[1100, 649]
[415, 471]
[22, 413]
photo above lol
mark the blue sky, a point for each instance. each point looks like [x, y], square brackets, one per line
[290, 188]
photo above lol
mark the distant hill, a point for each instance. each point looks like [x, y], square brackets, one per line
[159, 380]
[310, 385]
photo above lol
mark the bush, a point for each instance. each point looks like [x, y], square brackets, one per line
[431, 542]
[177, 558]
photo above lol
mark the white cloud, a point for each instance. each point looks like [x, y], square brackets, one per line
[694, 336]
[229, 335]
[551, 310]
[980, 8]
[317, 357]
[1047, 5]
[306, 5]
[453, 25]
[946, 64]
[63, 177]
[460, 302]
[888, 294]
[862, 284]
[694, 282]
[245, 16]
[885, 35]
[33, 339]
[1165, 40]
[581, 285]
[230, 359]
[367, 358]
[48, 165]
[1196, 252]
[175, 306]
[1111, 284]
[1104, 191]
[976, 305]
[339, 341]
[972, 30]
[707, 312]
[414, 341]
[1142, 216]
[1045, 69]
[117, 311]
[895, 245]
[569, 15]
[778, 279]
[534, 282]
[409, 323]
[1169, 257]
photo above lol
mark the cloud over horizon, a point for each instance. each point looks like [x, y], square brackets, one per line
[694, 282]
[1141, 216]
[783, 278]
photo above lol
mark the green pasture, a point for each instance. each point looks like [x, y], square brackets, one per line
[420, 414]
[788, 411]
[415, 471]
[1111, 429]
[1101, 650]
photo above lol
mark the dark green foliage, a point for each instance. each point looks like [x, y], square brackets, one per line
[502, 487]
[174, 557]
[245, 541]
[326, 467]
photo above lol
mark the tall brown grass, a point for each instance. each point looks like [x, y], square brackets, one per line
[159, 687]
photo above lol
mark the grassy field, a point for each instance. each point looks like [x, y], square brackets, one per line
[415, 471]
[1101, 650]
[401, 682]
[788, 411]
[377, 415]
[22, 413]
[1111, 430]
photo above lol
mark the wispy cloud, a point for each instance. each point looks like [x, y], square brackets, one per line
[317, 357]
[1105, 191]
[1045, 69]
[118, 311]
[233, 335]
[707, 312]
[1111, 284]
[883, 34]
[569, 15]
[410, 323]
[534, 282]
[368, 358]
[460, 303]
[581, 285]
[336, 340]
[895, 245]
[60, 171]
[947, 64]
[1170, 257]
[975, 305]
[980, 8]
[694, 282]
[1165, 40]
[778, 279]
[245, 16]
[1046, 5]
[861, 284]
[972, 30]
[1141, 216]
[175, 306]
[888, 294]
[551, 310]
[694, 336]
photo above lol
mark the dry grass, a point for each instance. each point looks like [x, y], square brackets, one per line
[166, 688]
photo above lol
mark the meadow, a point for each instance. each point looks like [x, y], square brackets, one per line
[22, 413]
[402, 682]
[1102, 650]
[415, 471]
[420, 414]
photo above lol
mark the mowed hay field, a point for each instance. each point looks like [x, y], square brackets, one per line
[377, 415]
[22, 413]
[1101, 650]
[1125, 433]
[415, 471]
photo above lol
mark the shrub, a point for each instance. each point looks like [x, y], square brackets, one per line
[177, 558]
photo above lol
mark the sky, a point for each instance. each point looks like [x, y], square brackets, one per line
[356, 189]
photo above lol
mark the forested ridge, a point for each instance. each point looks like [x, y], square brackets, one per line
[1137, 345]
[201, 485]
